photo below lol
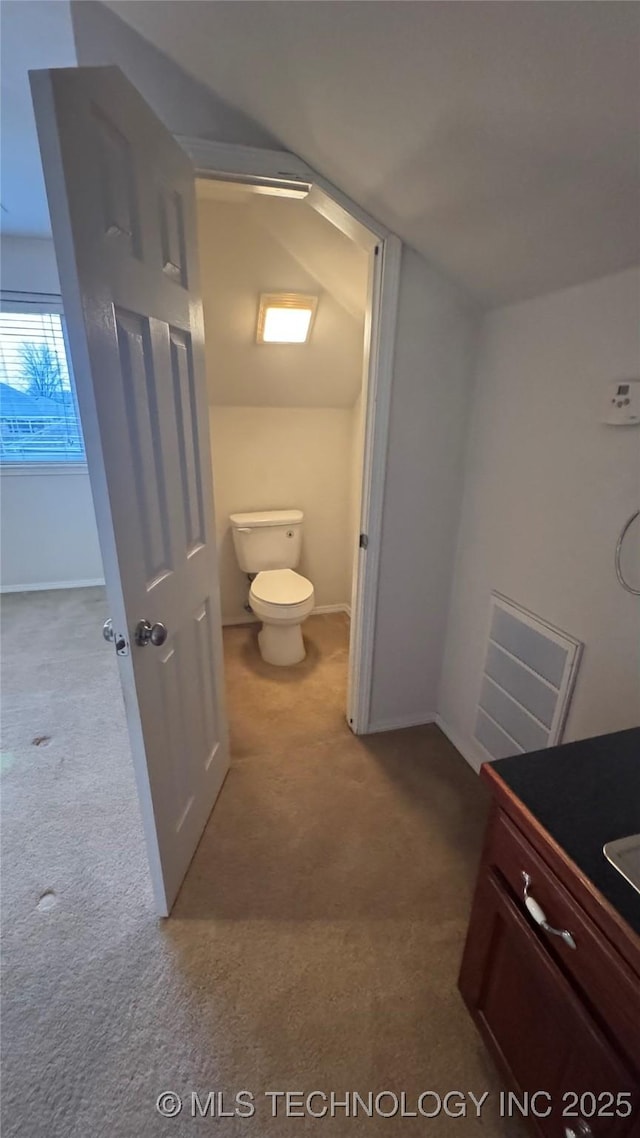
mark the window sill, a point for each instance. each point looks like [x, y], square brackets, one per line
[42, 468]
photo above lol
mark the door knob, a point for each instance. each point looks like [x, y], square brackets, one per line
[107, 630]
[146, 633]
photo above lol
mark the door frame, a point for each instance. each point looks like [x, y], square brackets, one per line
[284, 170]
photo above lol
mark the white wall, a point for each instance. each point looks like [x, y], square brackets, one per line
[183, 104]
[547, 489]
[28, 264]
[270, 458]
[282, 417]
[35, 34]
[48, 531]
[429, 406]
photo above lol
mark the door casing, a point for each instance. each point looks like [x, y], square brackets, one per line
[282, 169]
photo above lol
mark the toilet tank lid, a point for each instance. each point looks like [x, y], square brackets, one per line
[267, 518]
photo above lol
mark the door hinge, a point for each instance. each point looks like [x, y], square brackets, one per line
[364, 540]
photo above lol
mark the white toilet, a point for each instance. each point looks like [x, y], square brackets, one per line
[268, 544]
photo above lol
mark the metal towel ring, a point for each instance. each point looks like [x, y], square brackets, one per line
[619, 574]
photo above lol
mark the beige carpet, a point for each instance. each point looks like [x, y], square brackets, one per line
[316, 941]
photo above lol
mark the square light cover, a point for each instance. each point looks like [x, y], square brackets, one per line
[285, 317]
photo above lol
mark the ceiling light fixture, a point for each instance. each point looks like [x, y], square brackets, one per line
[285, 317]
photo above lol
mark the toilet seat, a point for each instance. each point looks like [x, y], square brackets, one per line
[281, 587]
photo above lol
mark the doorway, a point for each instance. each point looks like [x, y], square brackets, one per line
[280, 173]
[287, 434]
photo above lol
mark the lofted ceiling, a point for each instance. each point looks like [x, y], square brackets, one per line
[250, 243]
[499, 139]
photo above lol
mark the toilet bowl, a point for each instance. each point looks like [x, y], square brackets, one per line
[268, 544]
[282, 599]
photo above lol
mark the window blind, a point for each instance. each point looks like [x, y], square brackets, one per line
[39, 419]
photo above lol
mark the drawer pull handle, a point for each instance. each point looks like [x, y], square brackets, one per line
[539, 915]
[583, 1130]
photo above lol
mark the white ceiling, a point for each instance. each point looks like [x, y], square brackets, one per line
[336, 263]
[249, 244]
[499, 139]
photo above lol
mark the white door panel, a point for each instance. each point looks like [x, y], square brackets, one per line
[122, 203]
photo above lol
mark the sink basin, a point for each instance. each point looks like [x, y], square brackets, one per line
[624, 855]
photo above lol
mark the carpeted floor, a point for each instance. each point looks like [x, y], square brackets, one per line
[315, 943]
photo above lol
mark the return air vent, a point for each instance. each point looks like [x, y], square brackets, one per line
[528, 677]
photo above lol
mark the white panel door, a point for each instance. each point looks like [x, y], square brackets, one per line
[122, 202]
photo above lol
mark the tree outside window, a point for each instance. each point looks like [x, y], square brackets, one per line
[38, 414]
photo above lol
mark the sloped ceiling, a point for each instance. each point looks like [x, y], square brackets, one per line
[338, 264]
[499, 139]
[250, 244]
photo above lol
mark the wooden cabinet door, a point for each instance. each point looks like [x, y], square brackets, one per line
[593, 1099]
[533, 1022]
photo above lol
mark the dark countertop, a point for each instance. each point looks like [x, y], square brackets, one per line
[585, 794]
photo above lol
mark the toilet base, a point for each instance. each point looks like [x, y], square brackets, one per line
[281, 644]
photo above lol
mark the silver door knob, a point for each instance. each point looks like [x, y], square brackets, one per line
[107, 630]
[146, 633]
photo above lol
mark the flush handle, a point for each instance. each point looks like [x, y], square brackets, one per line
[539, 915]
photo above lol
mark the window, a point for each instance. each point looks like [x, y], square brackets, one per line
[39, 420]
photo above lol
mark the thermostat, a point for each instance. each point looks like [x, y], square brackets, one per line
[622, 407]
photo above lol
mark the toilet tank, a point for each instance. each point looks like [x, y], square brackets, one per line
[271, 539]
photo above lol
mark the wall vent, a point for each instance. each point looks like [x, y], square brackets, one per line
[527, 681]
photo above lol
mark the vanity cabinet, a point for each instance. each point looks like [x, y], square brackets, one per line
[560, 1014]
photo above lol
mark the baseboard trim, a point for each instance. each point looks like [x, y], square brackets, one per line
[231, 621]
[319, 609]
[464, 746]
[422, 719]
[46, 586]
[249, 618]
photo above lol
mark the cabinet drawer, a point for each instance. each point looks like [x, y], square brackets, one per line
[607, 982]
[536, 1027]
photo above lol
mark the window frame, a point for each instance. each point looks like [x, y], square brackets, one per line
[15, 301]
